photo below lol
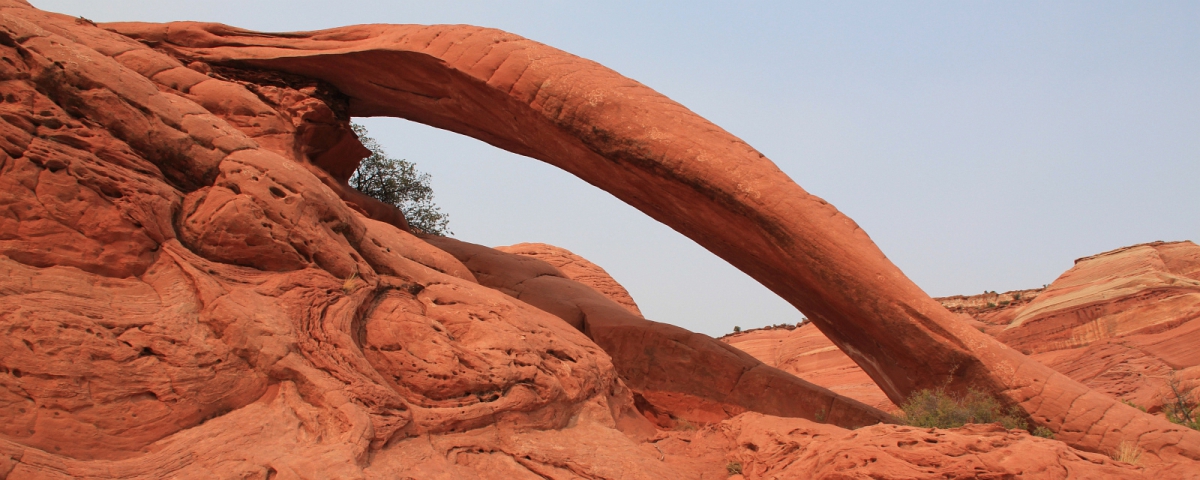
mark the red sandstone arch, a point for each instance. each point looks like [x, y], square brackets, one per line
[684, 171]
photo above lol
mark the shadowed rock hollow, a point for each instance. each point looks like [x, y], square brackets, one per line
[191, 290]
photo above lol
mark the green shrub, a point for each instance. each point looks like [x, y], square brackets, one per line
[939, 409]
[398, 183]
[736, 329]
[734, 468]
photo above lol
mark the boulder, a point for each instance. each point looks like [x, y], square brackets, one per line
[579, 269]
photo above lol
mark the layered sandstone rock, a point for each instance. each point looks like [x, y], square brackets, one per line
[767, 447]
[1121, 322]
[807, 353]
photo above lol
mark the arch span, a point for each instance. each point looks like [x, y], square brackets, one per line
[689, 174]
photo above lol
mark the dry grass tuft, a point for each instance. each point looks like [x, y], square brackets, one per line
[684, 425]
[351, 284]
[1127, 452]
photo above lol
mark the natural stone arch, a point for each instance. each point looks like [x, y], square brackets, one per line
[689, 174]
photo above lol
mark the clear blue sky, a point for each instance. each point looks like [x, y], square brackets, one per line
[982, 145]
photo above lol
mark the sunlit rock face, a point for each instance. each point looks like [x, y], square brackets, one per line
[191, 290]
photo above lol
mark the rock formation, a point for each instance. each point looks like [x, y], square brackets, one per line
[670, 163]
[191, 290]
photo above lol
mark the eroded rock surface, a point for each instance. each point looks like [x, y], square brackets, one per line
[768, 447]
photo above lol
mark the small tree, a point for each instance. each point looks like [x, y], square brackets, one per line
[1180, 406]
[399, 183]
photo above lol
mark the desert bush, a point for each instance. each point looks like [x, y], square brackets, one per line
[1043, 432]
[734, 468]
[1134, 405]
[397, 182]
[940, 409]
[1180, 404]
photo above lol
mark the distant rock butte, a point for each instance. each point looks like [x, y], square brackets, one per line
[192, 291]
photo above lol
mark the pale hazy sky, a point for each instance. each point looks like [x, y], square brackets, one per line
[982, 145]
